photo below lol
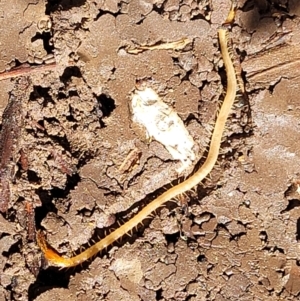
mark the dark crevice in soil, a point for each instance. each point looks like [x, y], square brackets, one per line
[187, 75]
[42, 211]
[298, 229]
[54, 5]
[279, 6]
[176, 61]
[69, 72]
[33, 177]
[140, 22]
[201, 193]
[159, 10]
[293, 203]
[248, 6]
[46, 38]
[280, 250]
[223, 76]
[237, 237]
[62, 141]
[72, 182]
[263, 236]
[62, 95]
[11, 215]
[47, 197]
[272, 87]
[17, 63]
[159, 294]
[39, 92]
[84, 158]
[172, 238]
[107, 104]
[266, 9]
[201, 258]
[105, 12]
[241, 54]
[273, 250]
[48, 279]
[199, 17]
[15, 248]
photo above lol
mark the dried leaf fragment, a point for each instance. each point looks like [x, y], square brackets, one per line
[177, 45]
[9, 148]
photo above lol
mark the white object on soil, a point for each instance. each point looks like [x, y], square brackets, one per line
[163, 124]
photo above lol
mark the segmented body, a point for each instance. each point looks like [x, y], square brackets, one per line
[54, 259]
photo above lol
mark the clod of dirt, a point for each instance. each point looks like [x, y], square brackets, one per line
[19, 23]
[58, 294]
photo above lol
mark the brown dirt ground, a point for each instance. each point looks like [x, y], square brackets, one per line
[238, 238]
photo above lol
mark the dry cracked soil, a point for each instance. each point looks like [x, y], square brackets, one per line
[74, 165]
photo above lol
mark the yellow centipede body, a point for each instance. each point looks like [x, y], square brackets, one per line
[54, 259]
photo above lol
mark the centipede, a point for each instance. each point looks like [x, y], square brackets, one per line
[54, 259]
